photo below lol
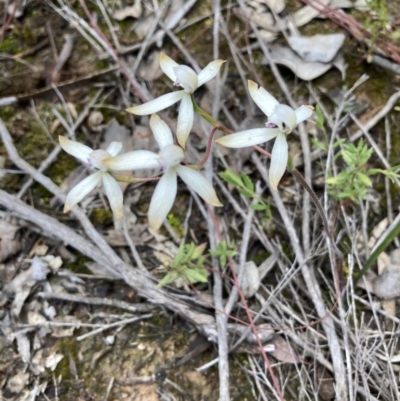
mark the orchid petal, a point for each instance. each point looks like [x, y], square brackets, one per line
[303, 112]
[171, 156]
[96, 158]
[157, 104]
[186, 78]
[79, 191]
[196, 181]
[114, 195]
[161, 131]
[114, 148]
[279, 158]
[75, 149]
[163, 198]
[135, 160]
[286, 115]
[167, 65]
[209, 72]
[249, 137]
[185, 120]
[263, 99]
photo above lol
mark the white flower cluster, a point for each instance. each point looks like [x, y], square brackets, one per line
[282, 120]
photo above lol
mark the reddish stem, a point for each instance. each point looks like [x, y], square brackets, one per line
[357, 30]
[248, 313]
[209, 147]
[138, 91]
[10, 18]
[229, 132]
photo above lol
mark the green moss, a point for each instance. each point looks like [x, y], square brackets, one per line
[176, 223]
[59, 171]
[10, 44]
[101, 216]
[7, 113]
[78, 266]
[260, 257]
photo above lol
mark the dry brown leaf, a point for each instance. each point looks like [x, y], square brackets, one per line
[146, 392]
[23, 346]
[324, 383]
[10, 243]
[317, 48]
[134, 11]
[22, 284]
[65, 331]
[17, 383]
[35, 318]
[149, 68]
[54, 262]
[143, 25]
[395, 256]
[306, 14]
[276, 6]
[257, 15]
[283, 351]
[52, 361]
[377, 231]
[198, 381]
[38, 249]
[306, 71]
[387, 285]
[250, 281]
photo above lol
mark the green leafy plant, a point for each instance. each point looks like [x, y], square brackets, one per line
[176, 223]
[377, 21]
[223, 251]
[352, 182]
[246, 187]
[320, 124]
[187, 265]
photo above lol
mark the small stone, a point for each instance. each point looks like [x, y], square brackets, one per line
[387, 285]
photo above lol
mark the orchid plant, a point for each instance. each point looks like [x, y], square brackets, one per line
[282, 120]
[186, 78]
[169, 161]
[94, 159]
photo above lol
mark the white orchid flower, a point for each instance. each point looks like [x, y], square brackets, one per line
[94, 158]
[187, 79]
[282, 120]
[168, 159]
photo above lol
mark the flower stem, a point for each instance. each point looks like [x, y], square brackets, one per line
[292, 169]
[208, 151]
[321, 212]
[133, 180]
[204, 114]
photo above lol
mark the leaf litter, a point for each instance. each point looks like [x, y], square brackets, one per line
[46, 343]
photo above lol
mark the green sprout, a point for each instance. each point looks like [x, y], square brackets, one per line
[352, 183]
[187, 265]
[224, 251]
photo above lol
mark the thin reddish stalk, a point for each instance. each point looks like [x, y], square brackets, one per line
[248, 313]
[114, 54]
[357, 30]
[10, 18]
[209, 147]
